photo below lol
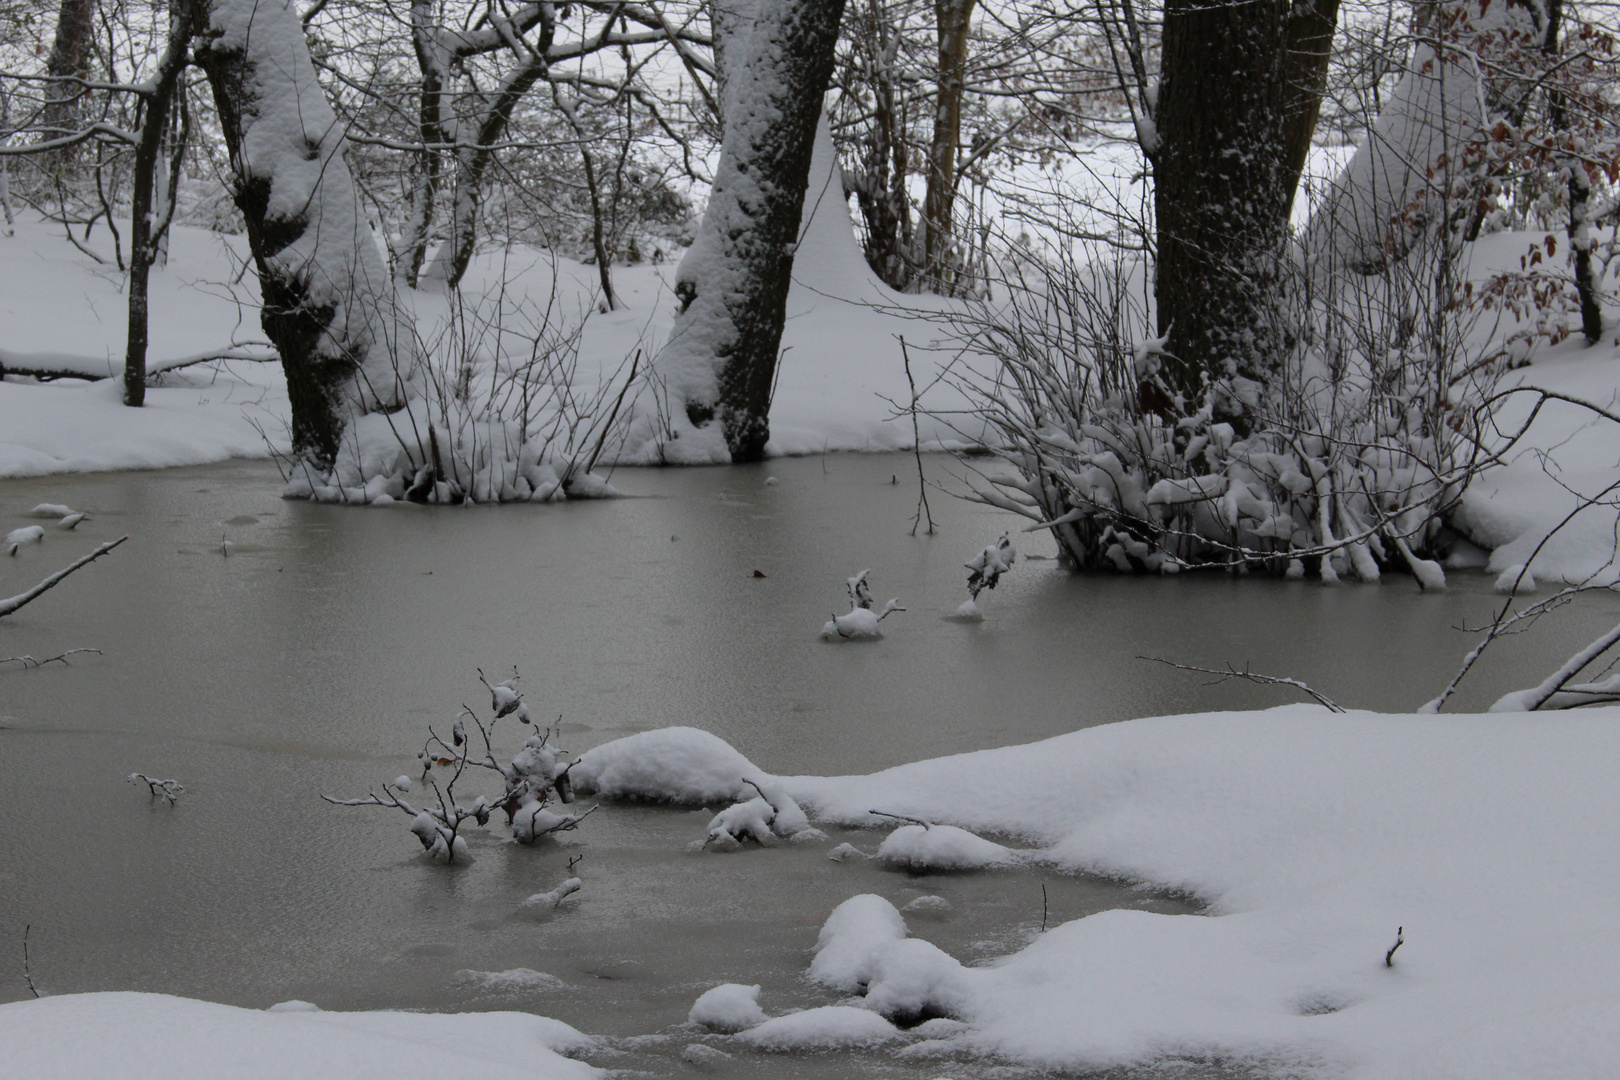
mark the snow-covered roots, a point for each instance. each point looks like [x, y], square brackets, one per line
[497, 410]
[533, 777]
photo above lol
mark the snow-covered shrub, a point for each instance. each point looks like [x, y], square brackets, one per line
[984, 571]
[1347, 463]
[533, 777]
[860, 621]
[496, 411]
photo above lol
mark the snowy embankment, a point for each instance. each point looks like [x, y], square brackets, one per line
[157, 1037]
[60, 311]
[1492, 842]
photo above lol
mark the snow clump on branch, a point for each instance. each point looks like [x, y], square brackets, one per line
[860, 622]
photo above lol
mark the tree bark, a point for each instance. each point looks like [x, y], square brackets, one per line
[1308, 48]
[327, 303]
[939, 200]
[1221, 194]
[732, 285]
[145, 233]
[69, 53]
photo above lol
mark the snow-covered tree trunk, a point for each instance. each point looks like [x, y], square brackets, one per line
[1220, 191]
[328, 305]
[732, 286]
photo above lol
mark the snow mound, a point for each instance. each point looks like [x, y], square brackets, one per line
[159, 1037]
[831, 1027]
[728, 1009]
[943, 847]
[512, 981]
[846, 950]
[916, 980]
[928, 907]
[675, 765]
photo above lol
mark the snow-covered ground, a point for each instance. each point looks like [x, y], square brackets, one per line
[157, 1037]
[1490, 843]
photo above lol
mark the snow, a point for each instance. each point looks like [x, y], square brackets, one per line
[831, 1027]
[1492, 840]
[942, 847]
[678, 765]
[511, 981]
[850, 939]
[158, 1037]
[728, 1008]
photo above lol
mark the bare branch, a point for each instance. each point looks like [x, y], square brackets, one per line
[11, 604]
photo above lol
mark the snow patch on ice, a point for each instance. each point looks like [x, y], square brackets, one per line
[831, 1027]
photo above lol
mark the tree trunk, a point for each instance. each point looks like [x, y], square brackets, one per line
[327, 303]
[69, 54]
[1221, 194]
[149, 215]
[1309, 47]
[732, 285]
[939, 201]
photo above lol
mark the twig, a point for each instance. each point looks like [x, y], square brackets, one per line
[1043, 907]
[916, 446]
[28, 974]
[902, 817]
[11, 604]
[169, 790]
[27, 661]
[1389, 957]
[1251, 676]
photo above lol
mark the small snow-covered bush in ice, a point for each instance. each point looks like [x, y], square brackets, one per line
[533, 777]
[984, 571]
[860, 621]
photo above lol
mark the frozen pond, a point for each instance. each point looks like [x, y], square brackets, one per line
[311, 658]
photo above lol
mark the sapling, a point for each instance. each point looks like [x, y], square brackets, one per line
[533, 776]
[861, 621]
[984, 571]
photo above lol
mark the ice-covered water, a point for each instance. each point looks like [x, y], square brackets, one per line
[309, 654]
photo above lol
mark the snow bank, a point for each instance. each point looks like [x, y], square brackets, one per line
[158, 1037]
[831, 1027]
[1493, 840]
[676, 765]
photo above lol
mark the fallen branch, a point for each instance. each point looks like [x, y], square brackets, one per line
[902, 817]
[29, 661]
[28, 973]
[1389, 957]
[11, 604]
[1251, 676]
